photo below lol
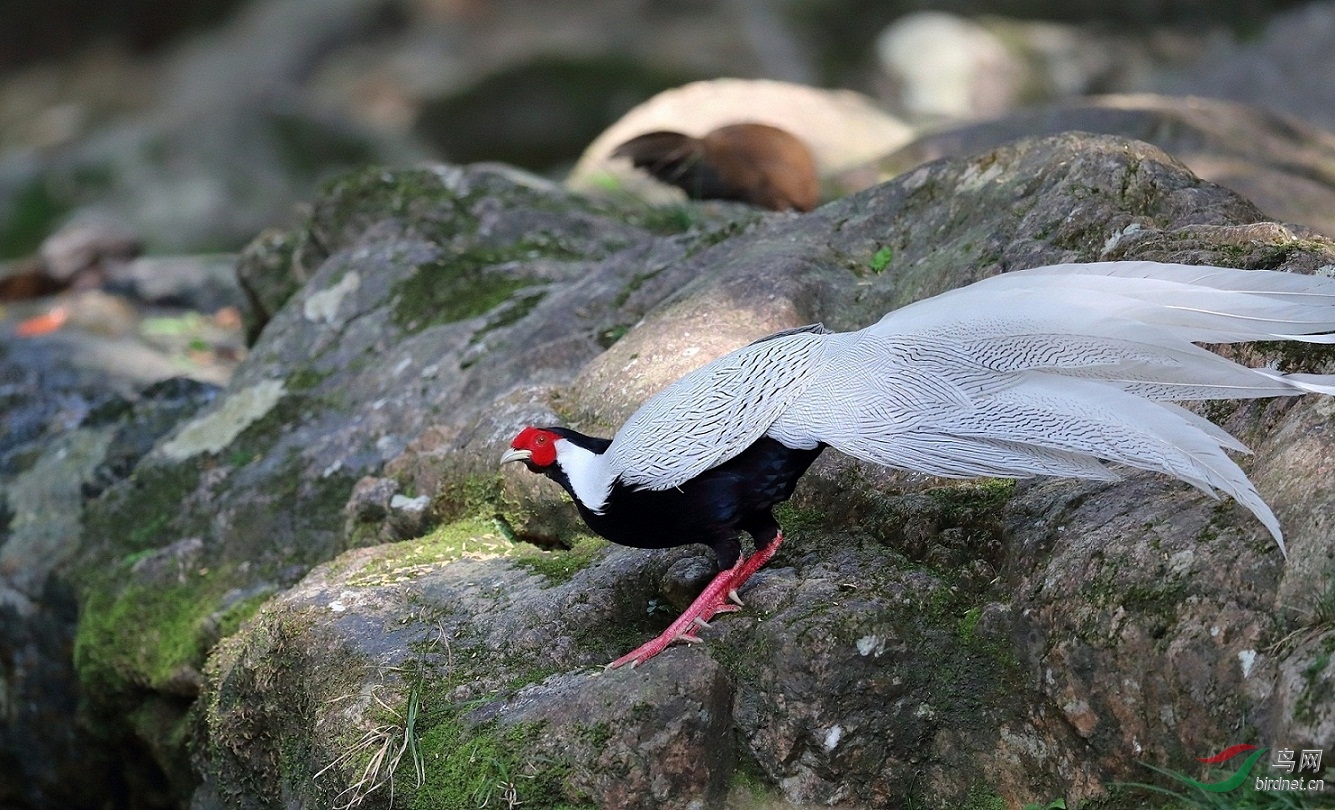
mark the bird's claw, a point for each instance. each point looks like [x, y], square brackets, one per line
[720, 596]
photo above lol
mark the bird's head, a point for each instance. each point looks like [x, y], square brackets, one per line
[534, 446]
[571, 459]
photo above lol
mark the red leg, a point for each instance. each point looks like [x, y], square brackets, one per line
[753, 564]
[712, 601]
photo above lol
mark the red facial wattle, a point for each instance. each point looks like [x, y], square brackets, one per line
[541, 444]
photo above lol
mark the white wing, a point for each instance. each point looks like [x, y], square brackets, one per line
[713, 413]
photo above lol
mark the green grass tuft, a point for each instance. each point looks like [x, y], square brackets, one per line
[468, 767]
[1183, 795]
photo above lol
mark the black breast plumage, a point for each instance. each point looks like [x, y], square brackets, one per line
[712, 508]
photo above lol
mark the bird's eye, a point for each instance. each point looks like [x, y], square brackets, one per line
[540, 439]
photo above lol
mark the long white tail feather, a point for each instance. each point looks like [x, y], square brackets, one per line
[1327, 339]
[1221, 437]
[1037, 372]
[1303, 383]
[1262, 282]
[925, 451]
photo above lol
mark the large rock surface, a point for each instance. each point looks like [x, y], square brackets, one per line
[916, 641]
[1284, 166]
[419, 281]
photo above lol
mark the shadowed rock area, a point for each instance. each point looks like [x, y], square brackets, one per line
[320, 591]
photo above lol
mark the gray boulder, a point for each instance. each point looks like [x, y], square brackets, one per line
[1282, 65]
[1284, 166]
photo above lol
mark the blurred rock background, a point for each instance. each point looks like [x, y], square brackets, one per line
[144, 144]
[195, 125]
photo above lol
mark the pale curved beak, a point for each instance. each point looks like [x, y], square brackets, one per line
[516, 455]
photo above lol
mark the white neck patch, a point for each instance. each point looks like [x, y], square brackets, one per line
[587, 472]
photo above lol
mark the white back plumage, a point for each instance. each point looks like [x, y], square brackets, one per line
[1036, 372]
[715, 412]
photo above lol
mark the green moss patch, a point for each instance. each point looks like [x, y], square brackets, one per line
[351, 204]
[478, 538]
[143, 512]
[749, 788]
[881, 259]
[232, 617]
[142, 636]
[154, 600]
[472, 766]
[665, 219]
[470, 495]
[972, 500]
[981, 797]
[452, 290]
[557, 566]
[471, 537]
[145, 636]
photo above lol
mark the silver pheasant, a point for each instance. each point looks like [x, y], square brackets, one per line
[1049, 371]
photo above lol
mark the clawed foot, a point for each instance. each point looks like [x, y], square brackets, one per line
[719, 597]
[687, 627]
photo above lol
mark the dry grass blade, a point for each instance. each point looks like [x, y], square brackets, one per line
[387, 744]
